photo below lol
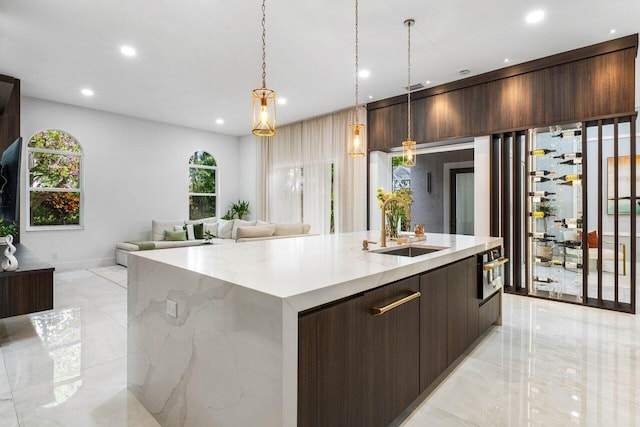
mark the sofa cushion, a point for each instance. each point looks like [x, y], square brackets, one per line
[211, 227]
[166, 244]
[240, 223]
[201, 220]
[159, 226]
[258, 222]
[306, 228]
[188, 228]
[284, 229]
[174, 236]
[225, 227]
[255, 231]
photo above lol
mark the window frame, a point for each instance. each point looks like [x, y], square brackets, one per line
[215, 179]
[30, 189]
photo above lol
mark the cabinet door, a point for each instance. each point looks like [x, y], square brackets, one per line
[433, 326]
[395, 349]
[473, 331]
[334, 366]
[457, 303]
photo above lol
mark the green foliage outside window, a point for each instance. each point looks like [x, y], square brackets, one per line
[202, 185]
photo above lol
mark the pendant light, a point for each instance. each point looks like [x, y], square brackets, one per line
[356, 130]
[409, 146]
[264, 100]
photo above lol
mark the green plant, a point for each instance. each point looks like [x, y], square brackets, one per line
[228, 215]
[548, 210]
[394, 211]
[208, 237]
[240, 209]
[7, 228]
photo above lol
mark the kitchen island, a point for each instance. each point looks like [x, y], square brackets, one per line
[248, 321]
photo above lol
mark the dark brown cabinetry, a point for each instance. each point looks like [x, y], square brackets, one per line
[357, 369]
[360, 369]
[28, 289]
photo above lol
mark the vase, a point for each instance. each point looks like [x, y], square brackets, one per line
[9, 262]
[392, 225]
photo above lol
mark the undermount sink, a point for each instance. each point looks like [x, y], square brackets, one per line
[410, 251]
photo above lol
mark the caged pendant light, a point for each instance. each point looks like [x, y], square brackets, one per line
[264, 100]
[356, 130]
[409, 146]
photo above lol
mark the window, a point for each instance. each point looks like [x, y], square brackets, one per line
[55, 180]
[202, 185]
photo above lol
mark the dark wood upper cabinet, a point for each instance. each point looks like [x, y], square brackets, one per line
[587, 83]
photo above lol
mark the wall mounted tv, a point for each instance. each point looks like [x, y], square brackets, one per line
[10, 182]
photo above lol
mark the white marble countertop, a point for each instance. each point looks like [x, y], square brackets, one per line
[311, 271]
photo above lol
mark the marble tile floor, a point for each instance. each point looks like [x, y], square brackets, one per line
[550, 364]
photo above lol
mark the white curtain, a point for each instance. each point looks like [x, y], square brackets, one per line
[294, 176]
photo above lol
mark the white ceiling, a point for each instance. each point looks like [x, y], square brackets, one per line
[199, 59]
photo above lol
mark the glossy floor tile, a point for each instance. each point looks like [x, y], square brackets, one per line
[550, 364]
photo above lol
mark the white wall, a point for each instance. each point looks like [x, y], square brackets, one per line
[134, 171]
[249, 177]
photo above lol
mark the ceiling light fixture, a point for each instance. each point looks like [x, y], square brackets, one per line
[86, 92]
[409, 146]
[282, 101]
[364, 73]
[428, 82]
[220, 121]
[535, 16]
[612, 31]
[264, 106]
[370, 96]
[506, 59]
[356, 129]
[128, 51]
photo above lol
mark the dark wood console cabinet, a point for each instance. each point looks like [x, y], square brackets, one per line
[357, 369]
[29, 288]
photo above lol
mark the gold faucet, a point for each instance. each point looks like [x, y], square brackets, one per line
[383, 227]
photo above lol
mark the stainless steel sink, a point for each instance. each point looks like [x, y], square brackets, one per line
[410, 251]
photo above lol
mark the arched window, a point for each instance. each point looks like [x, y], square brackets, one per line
[55, 180]
[203, 176]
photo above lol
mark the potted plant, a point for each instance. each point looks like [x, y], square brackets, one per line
[7, 229]
[545, 249]
[240, 209]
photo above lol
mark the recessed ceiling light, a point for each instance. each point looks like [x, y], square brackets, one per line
[128, 51]
[535, 16]
[364, 73]
[370, 96]
[428, 82]
[506, 59]
[86, 92]
[282, 101]
[220, 121]
[612, 31]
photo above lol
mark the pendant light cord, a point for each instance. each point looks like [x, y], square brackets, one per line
[357, 64]
[264, 46]
[409, 80]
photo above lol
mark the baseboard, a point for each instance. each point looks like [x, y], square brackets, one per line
[84, 264]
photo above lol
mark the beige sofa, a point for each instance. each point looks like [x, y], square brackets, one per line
[223, 232]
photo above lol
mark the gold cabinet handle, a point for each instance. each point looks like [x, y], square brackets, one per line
[497, 263]
[382, 310]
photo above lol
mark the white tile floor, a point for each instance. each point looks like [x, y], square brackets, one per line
[550, 364]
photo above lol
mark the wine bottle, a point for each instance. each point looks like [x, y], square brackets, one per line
[569, 222]
[541, 193]
[543, 240]
[572, 244]
[567, 264]
[545, 279]
[572, 162]
[541, 173]
[570, 177]
[537, 199]
[541, 179]
[539, 214]
[541, 152]
[541, 259]
[542, 235]
[566, 156]
[568, 134]
[576, 183]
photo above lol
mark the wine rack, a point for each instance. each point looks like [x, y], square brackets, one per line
[554, 189]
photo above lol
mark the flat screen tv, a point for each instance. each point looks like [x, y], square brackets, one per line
[10, 182]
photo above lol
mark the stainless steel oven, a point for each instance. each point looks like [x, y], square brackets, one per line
[490, 272]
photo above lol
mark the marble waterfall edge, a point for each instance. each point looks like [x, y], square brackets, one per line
[220, 362]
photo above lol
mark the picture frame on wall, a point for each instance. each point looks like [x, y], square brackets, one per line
[624, 185]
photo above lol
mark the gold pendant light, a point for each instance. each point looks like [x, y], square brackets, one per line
[264, 100]
[409, 146]
[356, 130]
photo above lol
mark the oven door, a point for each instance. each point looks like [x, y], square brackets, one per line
[491, 276]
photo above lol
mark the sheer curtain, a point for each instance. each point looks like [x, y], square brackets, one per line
[294, 175]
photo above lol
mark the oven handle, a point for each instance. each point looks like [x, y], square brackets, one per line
[493, 264]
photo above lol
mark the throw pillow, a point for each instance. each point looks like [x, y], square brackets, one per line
[175, 236]
[256, 231]
[198, 230]
[225, 227]
[240, 223]
[158, 227]
[283, 229]
[191, 235]
[211, 227]
[592, 239]
[262, 223]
